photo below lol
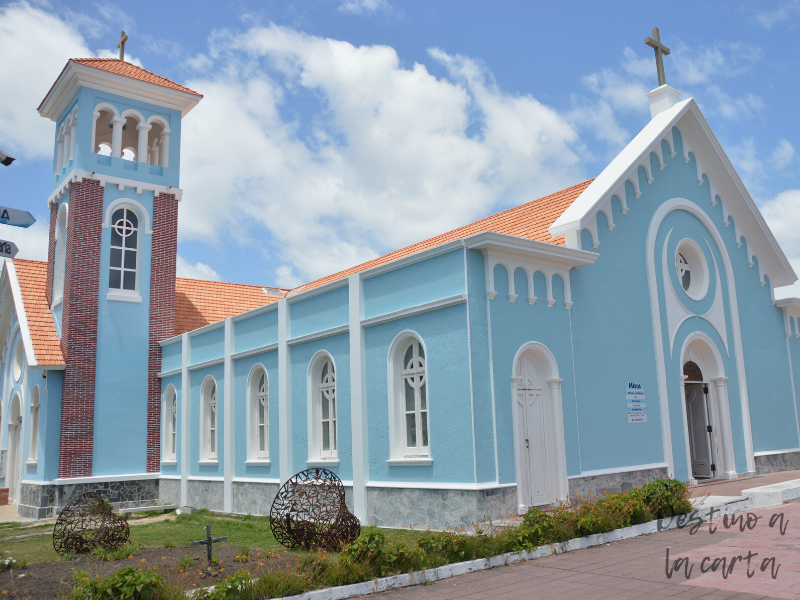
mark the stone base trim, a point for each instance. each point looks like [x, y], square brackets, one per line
[438, 509]
[775, 463]
[45, 501]
[614, 482]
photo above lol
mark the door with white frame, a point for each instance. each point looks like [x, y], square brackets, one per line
[538, 428]
[700, 430]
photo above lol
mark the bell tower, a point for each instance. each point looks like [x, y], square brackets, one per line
[111, 264]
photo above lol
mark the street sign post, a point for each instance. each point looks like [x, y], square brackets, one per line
[8, 249]
[15, 217]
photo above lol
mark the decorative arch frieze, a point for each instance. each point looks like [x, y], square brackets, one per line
[530, 268]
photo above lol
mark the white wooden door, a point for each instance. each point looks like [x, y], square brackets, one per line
[531, 407]
[697, 420]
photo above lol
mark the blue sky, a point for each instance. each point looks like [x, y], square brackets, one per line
[333, 131]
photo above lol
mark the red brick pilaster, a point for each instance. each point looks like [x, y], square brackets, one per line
[79, 328]
[51, 252]
[162, 314]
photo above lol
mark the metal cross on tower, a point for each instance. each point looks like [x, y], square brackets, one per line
[124, 38]
[208, 542]
[661, 50]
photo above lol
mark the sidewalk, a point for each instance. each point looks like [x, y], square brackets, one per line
[636, 568]
[734, 487]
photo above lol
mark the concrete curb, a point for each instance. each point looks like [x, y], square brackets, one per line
[773, 495]
[445, 572]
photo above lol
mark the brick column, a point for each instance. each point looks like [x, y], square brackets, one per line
[162, 314]
[51, 252]
[79, 328]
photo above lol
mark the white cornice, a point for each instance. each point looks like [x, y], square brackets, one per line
[569, 257]
[74, 76]
[77, 176]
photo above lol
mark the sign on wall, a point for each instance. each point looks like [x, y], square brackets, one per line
[8, 249]
[635, 402]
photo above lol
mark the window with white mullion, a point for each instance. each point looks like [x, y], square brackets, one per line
[173, 428]
[327, 411]
[33, 443]
[124, 263]
[212, 423]
[415, 401]
[262, 405]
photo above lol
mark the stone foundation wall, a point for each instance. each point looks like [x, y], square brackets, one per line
[206, 494]
[775, 463]
[42, 501]
[253, 498]
[438, 510]
[169, 491]
[614, 482]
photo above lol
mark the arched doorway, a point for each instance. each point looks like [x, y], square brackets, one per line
[12, 456]
[539, 454]
[706, 415]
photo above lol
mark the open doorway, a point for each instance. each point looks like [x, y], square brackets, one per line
[698, 420]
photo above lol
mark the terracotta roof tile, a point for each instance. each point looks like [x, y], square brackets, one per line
[32, 276]
[530, 220]
[199, 303]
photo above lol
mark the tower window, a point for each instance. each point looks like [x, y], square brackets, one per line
[124, 265]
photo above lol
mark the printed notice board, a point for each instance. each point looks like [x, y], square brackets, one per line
[635, 402]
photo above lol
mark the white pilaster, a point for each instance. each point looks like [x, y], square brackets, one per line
[165, 149]
[358, 399]
[284, 392]
[728, 464]
[228, 408]
[561, 483]
[73, 136]
[116, 136]
[59, 155]
[154, 152]
[186, 401]
[141, 153]
[65, 155]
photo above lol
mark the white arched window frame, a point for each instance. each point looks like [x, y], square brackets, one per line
[209, 439]
[125, 253]
[60, 253]
[323, 434]
[258, 416]
[33, 437]
[169, 422]
[409, 422]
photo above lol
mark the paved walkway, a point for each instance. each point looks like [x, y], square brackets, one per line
[734, 487]
[636, 568]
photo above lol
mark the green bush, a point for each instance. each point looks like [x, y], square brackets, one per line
[131, 583]
[232, 588]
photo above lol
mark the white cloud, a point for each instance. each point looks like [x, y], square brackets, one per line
[782, 214]
[285, 277]
[196, 271]
[783, 154]
[770, 18]
[33, 241]
[745, 159]
[359, 7]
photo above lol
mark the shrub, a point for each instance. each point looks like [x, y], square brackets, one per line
[130, 583]
[666, 497]
[126, 551]
[232, 588]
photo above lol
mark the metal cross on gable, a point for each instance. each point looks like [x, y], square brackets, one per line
[661, 50]
[122, 39]
[208, 542]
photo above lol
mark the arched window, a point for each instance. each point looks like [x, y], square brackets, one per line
[169, 420]
[61, 253]
[33, 438]
[208, 423]
[123, 274]
[414, 399]
[323, 434]
[258, 402]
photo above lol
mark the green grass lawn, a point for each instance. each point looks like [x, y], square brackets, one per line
[247, 531]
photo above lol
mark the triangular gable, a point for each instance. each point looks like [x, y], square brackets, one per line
[699, 141]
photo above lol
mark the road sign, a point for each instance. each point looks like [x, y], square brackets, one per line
[8, 249]
[17, 218]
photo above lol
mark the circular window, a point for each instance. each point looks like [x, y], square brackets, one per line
[692, 269]
[18, 358]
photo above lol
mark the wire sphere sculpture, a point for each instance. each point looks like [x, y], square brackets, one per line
[309, 511]
[87, 522]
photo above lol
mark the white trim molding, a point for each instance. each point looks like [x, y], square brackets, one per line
[414, 310]
[427, 485]
[613, 470]
[77, 176]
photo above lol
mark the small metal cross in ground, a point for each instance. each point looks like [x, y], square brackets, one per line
[661, 50]
[208, 542]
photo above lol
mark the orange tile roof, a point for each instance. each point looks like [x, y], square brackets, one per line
[32, 276]
[530, 220]
[121, 67]
[199, 303]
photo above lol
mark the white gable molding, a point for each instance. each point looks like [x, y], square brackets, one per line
[725, 184]
[513, 252]
[78, 176]
[663, 398]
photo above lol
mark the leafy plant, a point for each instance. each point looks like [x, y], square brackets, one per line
[130, 583]
[243, 556]
[231, 588]
[126, 551]
[185, 563]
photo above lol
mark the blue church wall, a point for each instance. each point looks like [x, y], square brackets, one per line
[431, 279]
[444, 335]
[319, 312]
[242, 368]
[122, 339]
[208, 345]
[175, 382]
[50, 425]
[513, 325]
[484, 417]
[196, 384]
[338, 346]
[257, 330]
[172, 356]
[86, 160]
[794, 349]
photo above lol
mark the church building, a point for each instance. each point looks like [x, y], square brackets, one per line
[620, 330]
